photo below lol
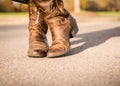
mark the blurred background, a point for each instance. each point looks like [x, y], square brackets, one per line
[81, 9]
[86, 5]
[107, 8]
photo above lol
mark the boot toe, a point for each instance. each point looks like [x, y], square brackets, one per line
[37, 54]
[52, 53]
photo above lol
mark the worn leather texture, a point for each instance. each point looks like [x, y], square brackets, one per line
[38, 46]
[60, 23]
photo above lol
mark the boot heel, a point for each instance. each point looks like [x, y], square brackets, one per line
[74, 29]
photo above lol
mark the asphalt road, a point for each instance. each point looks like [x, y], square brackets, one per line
[94, 58]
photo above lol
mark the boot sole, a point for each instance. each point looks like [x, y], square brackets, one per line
[36, 56]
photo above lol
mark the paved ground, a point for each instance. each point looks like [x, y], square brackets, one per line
[94, 58]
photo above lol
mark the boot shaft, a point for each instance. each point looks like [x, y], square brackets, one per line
[37, 25]
[51, 8]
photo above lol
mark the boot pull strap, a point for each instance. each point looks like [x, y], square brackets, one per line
[60, 6]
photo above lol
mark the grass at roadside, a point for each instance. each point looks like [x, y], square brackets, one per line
[24, 14]
[13, 14]
[105, 13]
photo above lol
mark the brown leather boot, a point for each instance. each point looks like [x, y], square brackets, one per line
[38, 46]
[62, 25]
[60, 28]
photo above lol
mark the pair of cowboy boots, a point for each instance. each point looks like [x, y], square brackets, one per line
[44, 13]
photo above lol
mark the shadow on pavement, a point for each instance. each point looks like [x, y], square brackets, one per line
[93, 39]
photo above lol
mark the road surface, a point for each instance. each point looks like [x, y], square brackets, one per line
[94, 58]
